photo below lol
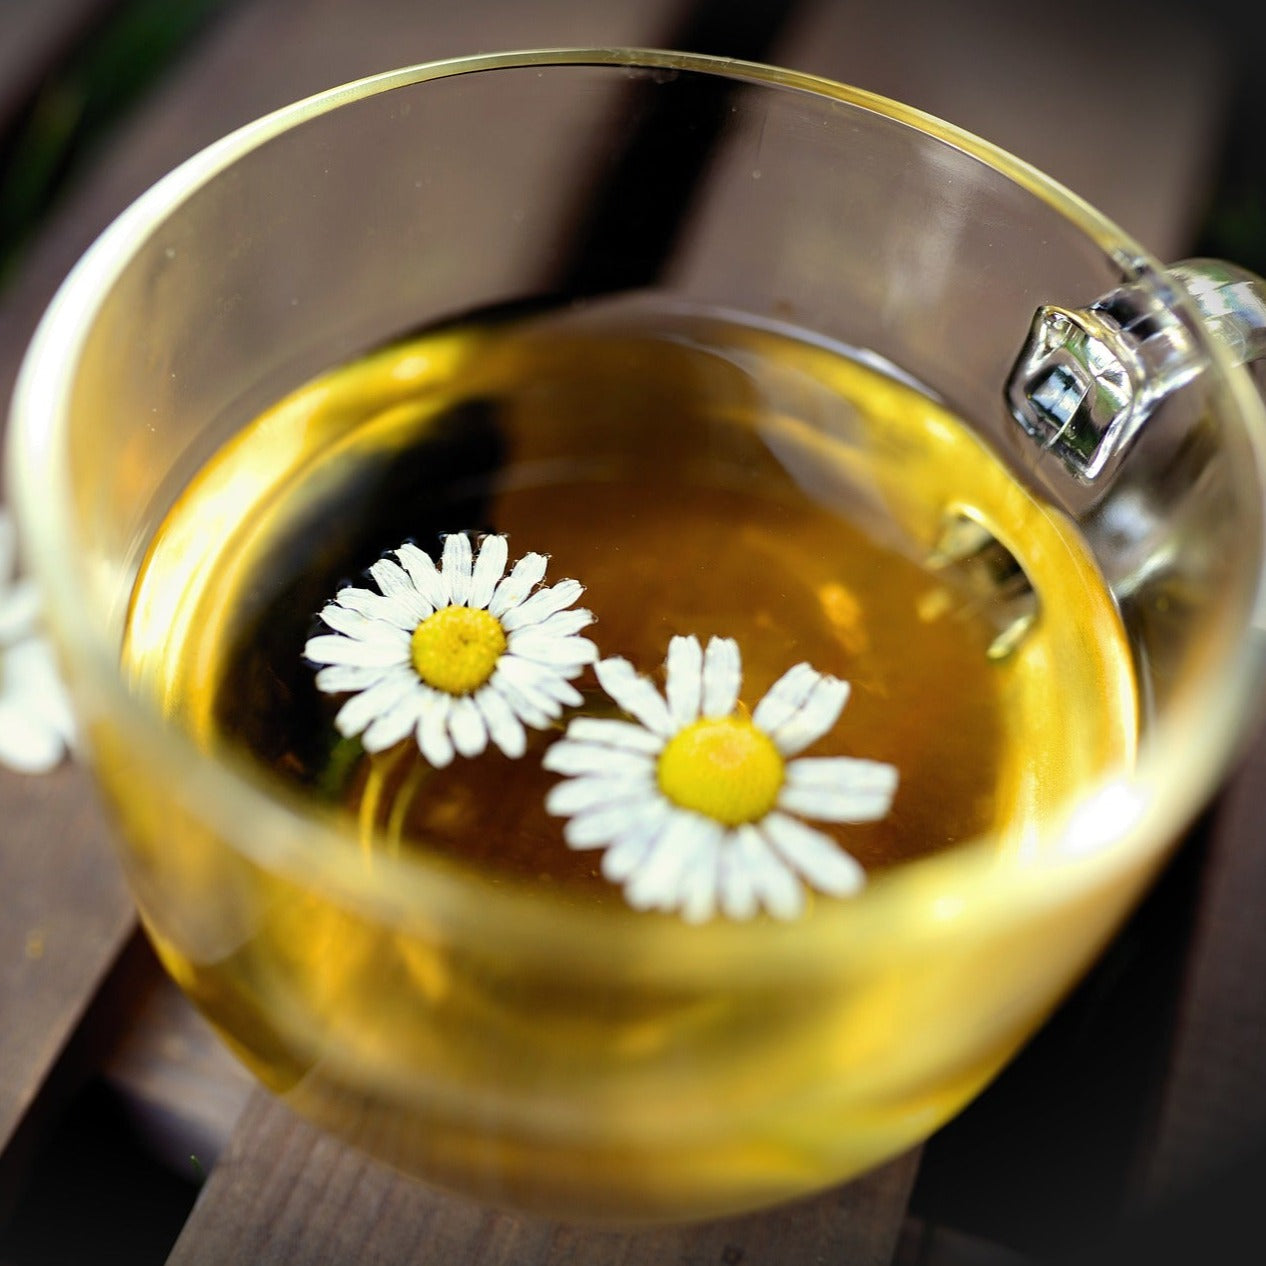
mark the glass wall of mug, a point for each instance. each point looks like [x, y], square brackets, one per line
[510, 1037]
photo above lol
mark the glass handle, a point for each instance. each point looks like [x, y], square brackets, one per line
[1088, 378]
[1232, 302]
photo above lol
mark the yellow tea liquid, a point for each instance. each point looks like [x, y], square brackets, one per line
[699, 475]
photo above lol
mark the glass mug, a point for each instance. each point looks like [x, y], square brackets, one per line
[495, 1035]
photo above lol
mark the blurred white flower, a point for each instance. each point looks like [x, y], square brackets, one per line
[36, 724]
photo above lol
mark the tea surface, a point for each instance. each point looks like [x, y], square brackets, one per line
[698, 475]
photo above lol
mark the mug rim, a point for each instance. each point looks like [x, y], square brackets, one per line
[1146, 809]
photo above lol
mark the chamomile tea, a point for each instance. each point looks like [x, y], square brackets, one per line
[709, 514]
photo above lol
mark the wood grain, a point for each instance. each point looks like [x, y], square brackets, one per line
[65, 917]
[181, 1088]
[1075, 90]
[1213, 1111]
[287, 1194]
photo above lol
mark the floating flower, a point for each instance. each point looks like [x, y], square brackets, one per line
[697, 803]
[456, 654]
[36, 724]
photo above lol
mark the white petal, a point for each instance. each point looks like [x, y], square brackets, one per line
[722, 676]
[396, 722]
[363, 628]
[526, 678]
[27, 746]
[489, 568]
[634, 843]
[560, 690]
[524, 576]
[424, 574]
[813, 718]
[556, 652]
[600, 826]
[456, 567]
[698, 887]
[466, 726]
[363, 709]
[580, 795]
[656, 884]
[612, 733]
[636, 695]
[575, 758]
[395, 583]
[568, 757]
[774, 885]
[626, 855]
[778, 889]
[833, 772]
[33, 684]
[19, 610]
[334, 648]
[685, 679]
[373, 631]
[521, 704]
[817, 857]
[53, 709]
[542, 604]
[785, 696]
[504, 728]
[27, 666]
[860, 791]
[339, 678]
[835, 806]
[736, 881]
[432, 730]
[377, 606]
[564, 623]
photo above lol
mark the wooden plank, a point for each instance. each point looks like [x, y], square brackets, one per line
[180, 1086]
[66, 916]
[1213, 1111]
[1073, 90]
[287, 1194]
[924, 1244]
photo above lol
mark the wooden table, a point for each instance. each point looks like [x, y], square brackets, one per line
[1144, 1087]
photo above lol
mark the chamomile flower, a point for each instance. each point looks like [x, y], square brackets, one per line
[37, 727]
[697, 804]
[455, 655]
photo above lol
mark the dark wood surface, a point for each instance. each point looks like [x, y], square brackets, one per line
[66, 916]
[1213, 1109]
[285, 1194]
[1139, 144]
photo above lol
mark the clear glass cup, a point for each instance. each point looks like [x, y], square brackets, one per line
[598, 1064]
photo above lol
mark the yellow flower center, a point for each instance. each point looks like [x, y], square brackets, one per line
[722, 767]
[456, 649]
